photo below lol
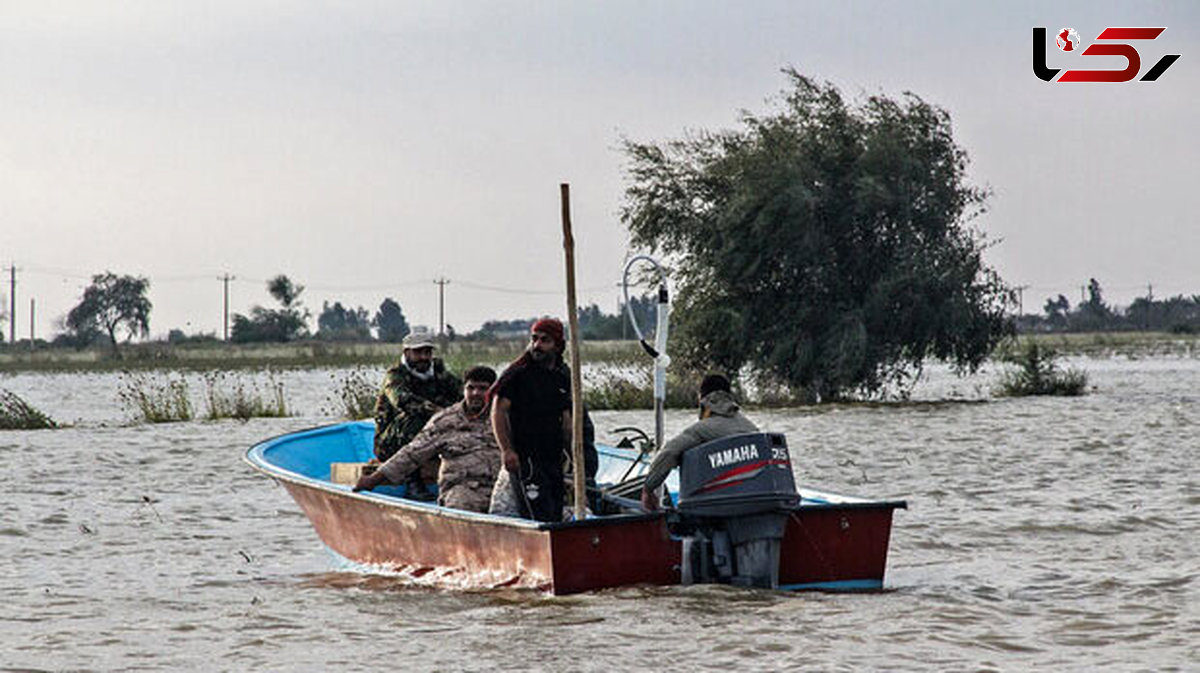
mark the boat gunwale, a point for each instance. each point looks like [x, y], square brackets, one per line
[254, 456]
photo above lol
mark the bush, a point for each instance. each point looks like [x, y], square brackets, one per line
[155, 398]
[1036, 372]
[16, 414]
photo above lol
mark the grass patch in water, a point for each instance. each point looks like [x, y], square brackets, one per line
[356, 393]
[629, 384]
[1035, 371]
[155, 398]
[246, 399]
[17, 414]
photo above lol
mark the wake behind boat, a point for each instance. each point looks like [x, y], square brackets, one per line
[829, 541]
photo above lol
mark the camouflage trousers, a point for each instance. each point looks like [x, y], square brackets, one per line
[471, 495]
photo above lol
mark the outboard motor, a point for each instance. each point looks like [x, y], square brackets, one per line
[735, 496]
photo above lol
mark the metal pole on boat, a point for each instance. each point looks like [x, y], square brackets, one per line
[577, 465]
[661, 362]
[659, 350]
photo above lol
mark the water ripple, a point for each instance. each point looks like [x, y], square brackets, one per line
[1050, 534]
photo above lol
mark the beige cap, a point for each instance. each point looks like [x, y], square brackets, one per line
[419, 339]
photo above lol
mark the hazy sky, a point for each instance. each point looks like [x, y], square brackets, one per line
[366, 148]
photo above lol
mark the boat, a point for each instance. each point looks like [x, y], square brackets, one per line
[829, 542]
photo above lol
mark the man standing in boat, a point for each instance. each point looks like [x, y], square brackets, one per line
[720, 417]
[461, 436]
[531, 418]
[412, 392]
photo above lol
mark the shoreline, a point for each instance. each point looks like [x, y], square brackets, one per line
[320, 354]
[294, 355]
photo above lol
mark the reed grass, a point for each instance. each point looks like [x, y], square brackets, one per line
[629, 384]
[155, 397]
[355, 393]
[1034, 370]
[234, 395]
[17, 414]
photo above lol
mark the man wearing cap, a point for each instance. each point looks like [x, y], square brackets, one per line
[531, 417]
[719, 417]
[412, 392]
[461, 437]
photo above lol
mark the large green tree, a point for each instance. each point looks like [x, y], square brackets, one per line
[390, 321]
[111, 304]
[338, 323]
[825, 244]
[287, 323]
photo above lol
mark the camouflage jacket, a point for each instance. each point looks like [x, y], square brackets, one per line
[468, 451]
[406, 403]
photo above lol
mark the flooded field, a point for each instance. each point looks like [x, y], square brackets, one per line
[1050, 533]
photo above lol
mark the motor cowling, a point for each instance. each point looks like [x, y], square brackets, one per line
[735, 496]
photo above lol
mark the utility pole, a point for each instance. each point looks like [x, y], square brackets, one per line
[621, 315]
[12, 289]
[1021, 299]
[32, 311]
[1149, 305]
[441, 283]
[225, 322]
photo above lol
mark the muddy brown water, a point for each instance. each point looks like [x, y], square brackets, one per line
[1047, 533]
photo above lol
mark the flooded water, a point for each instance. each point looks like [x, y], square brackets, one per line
[1049, 533]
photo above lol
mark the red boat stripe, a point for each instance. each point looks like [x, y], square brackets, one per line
[738, 474]
[737, 479]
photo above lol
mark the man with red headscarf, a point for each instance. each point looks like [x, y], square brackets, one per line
[531, 418]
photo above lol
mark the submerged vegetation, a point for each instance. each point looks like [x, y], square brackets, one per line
[164, 397]
[246, 399]
[355, 391]
[1035, 371]
[17, 414]
[629, 384]
[155, 398]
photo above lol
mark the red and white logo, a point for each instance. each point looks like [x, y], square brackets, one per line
[1110, 42]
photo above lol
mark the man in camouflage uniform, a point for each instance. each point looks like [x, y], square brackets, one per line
[412, 392]
[461, 435]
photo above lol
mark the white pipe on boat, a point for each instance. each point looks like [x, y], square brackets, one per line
[661, 362]
[659, 350]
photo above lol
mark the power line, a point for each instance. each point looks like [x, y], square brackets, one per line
[514, 290]
[372, 287]
[366, 288]
[62, 273]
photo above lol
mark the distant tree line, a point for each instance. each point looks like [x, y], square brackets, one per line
[1178, 314]
[594, 323]
[114, 309]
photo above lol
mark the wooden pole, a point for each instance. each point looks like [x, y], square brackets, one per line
[577, 464]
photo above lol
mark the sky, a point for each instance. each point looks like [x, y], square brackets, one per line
[367, 148]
